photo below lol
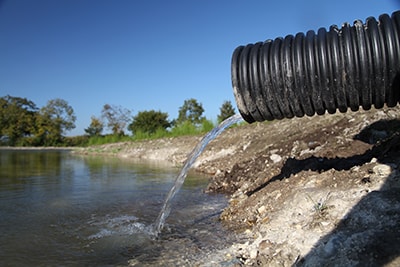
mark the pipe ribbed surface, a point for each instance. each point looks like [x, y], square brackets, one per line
[352, 67]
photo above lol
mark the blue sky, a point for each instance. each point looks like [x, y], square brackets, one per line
[146, 54]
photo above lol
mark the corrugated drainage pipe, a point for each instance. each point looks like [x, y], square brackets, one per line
[312, 73]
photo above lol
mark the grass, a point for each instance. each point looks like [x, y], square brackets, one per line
[106, 139]
[184, 129]
[320, 206]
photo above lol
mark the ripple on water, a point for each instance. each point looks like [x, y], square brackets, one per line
[124, 225]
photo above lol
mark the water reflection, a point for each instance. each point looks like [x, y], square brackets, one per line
[15, 165]
[60, 209]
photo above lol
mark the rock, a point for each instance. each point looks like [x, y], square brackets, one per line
[219, 174]
[253, 253]
[275, 158]
[274, 151]
[325, 223]
[265, 246]
[261, 210]
[313, 144]
[355, 169]
[382, 170]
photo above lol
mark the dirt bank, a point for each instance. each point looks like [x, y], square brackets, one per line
[311, 191]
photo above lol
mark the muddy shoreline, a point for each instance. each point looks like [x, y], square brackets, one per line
[311, 191]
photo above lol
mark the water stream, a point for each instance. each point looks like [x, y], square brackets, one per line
[214, 133]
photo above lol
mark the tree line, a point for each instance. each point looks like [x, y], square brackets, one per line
[22, 123]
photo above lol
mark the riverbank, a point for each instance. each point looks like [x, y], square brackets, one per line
[309, 191]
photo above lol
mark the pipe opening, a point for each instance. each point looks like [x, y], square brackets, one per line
[355, 66]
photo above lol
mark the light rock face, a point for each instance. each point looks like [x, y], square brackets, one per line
[311, 191]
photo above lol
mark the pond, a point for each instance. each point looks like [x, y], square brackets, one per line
[57, 208]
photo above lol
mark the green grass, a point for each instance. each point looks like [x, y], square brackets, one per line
[183, 129]
[106, 139]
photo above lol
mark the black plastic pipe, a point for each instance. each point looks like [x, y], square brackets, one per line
[352, 67]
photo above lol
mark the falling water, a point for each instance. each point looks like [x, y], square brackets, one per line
[166, 208]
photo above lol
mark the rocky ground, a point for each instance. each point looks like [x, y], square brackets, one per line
[311, 191]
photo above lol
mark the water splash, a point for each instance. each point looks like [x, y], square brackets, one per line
[166, 208]
[124, 225]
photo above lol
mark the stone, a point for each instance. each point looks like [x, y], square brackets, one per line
[382, 170]
[275, 158]
[261, 210]
[374, 160]
[265, 246]
[325, 224]
[253, 253]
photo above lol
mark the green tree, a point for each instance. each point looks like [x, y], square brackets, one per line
[226, 111]
[190, 111]
[95, 128]
[149, 122]
[53, 121]
[117, 118]
[17, 118]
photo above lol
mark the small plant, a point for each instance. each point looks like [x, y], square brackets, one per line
[321, 205]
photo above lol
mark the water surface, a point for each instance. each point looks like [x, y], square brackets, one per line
[61, 209]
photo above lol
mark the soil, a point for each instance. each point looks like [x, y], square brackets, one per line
[310, 191]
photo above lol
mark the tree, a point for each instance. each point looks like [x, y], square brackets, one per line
[226, 111]
[17, 118]
[54, 120]
[117, 118]
[95, 128]
[149, 122]
[190, 111]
